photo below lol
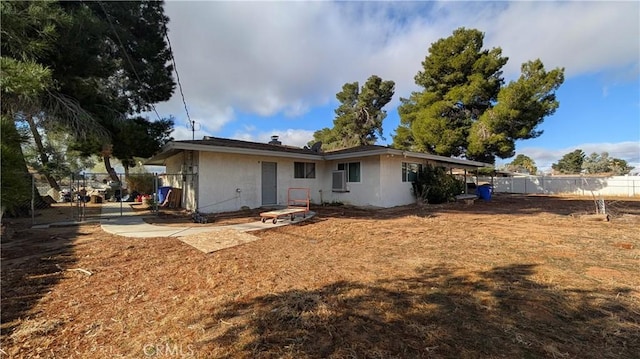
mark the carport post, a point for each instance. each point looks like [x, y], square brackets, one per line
[465, 181]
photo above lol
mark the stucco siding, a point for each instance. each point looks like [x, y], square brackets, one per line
[396, 192]
[229, 181]
[174, 164]
[215, 182]
[180, 174]
[363, 193]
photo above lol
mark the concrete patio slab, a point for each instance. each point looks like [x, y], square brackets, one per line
[120, 219]
[207, 239]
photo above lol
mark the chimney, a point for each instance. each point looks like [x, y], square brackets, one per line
[274, 140]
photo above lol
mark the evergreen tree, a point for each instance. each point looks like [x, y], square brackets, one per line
[15, 180]
[602, 163]
[595, 163]
[125, 62]
[29, 30]
[108, 60]
[360, 114]
[464, 108]
[570, 163]
[523, 163]
[620, 167]
[140, 137]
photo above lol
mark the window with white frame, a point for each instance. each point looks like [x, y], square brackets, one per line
[352, 170]
[304, 170]
[410, 171]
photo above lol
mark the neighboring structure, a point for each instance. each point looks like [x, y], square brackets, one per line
[218, 174]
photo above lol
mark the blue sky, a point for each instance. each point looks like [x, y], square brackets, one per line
[250, 70]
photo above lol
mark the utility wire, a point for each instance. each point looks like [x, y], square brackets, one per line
[127, 55]
[175, 68]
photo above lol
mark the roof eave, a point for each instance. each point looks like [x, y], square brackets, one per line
[457, 162]
[173, 148]
[347, 155]
[167, 151]
[182, 146]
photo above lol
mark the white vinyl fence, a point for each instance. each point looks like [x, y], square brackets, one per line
[628, 186]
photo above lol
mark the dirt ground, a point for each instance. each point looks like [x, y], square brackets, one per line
[517, 277]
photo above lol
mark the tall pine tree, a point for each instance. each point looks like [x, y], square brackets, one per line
[359, 117]
[465, 109]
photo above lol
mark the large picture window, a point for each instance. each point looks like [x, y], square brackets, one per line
[352, 169]
[410, 171]
[304, 170]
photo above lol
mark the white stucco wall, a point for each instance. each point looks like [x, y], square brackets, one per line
[367, 192]
[381, 182]
[179, 174]
[395, 192]
[229, 181]
[173, 165]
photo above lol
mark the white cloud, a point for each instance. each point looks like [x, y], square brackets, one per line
[182, 133]
[583, 37]
[267, 58]
[205, 122]
[628, 151]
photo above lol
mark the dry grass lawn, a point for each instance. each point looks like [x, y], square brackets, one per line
[518, 277]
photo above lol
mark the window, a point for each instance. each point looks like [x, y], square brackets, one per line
[352, 170]
[304, 170]
[410, 171]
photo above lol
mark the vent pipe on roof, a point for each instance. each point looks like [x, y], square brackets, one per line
[274, 140]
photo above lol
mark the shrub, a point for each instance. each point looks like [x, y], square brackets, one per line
[434, 185]
[151, 202]
[140, 182]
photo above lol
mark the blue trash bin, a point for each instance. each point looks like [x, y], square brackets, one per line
[484, 192]
[162, 193]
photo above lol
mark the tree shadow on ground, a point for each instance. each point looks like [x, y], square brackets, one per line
[33, 262]
[435, 314]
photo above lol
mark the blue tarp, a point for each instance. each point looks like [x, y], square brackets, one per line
[162, 193]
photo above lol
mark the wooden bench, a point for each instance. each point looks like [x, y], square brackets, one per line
[468, 199]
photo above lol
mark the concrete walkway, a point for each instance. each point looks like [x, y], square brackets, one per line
[120, 219]
[129, 224]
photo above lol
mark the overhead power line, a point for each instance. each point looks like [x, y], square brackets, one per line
[175, 68]
[126, 55]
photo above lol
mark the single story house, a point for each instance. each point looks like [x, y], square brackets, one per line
[219, 174]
